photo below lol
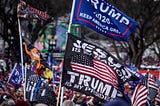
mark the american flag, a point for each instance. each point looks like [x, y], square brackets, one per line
[95, 68]
[157, 98]
[140, 94]
[152, 86]
[152, 83]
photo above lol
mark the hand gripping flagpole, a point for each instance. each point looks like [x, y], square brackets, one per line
[21, 49]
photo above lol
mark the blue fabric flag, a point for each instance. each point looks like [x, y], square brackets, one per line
[16, 78]
[103, 18]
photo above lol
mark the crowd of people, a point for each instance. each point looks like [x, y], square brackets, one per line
[14, 96]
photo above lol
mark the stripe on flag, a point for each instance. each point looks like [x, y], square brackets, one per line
[140, 94]
[157, 98]
[152, 83]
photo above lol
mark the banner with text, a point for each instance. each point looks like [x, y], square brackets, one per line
[26, 11]
[15, 77]
[37, 89]
[103, 18]
[91, 70]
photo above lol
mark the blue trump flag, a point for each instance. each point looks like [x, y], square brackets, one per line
[15, 78]
[103, 18]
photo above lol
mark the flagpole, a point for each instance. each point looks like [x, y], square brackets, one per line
[62, 91]
[25, 73]
[59, 91]
[71, 16]
[21, 49]
[69, 30]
